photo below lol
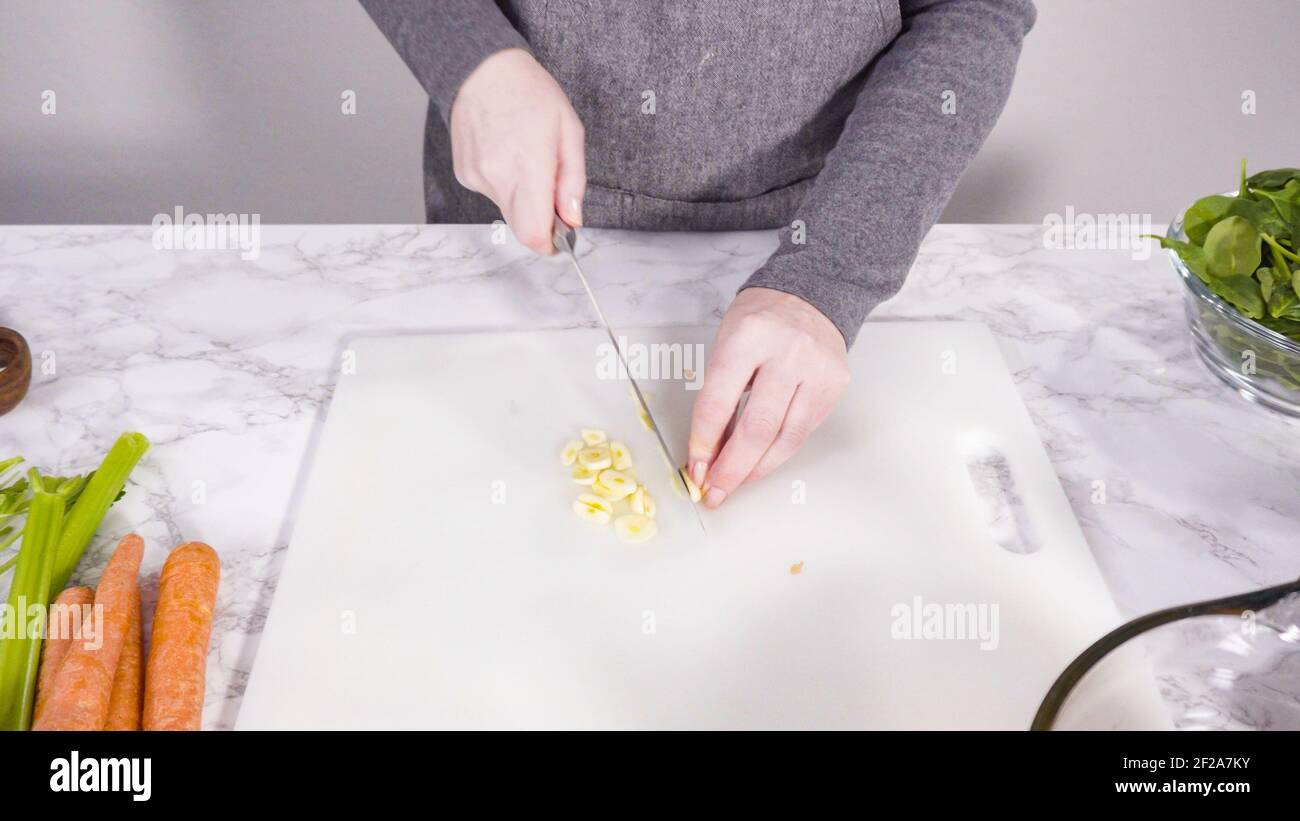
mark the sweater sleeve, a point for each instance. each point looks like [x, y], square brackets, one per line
[924, 110]
[444, 41]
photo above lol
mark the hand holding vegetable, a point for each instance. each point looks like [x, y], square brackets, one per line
[796, 361]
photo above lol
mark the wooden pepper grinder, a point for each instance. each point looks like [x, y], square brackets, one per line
[15, 369]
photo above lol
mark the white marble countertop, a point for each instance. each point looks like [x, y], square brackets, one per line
[1184, 491]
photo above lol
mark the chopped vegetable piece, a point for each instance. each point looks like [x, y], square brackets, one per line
[620, 485]
[634, 528]
[569, 454]
[693, 488]
[582, 476]
[593, 508]
[621, 455]
[592, 436]
[604, 492]
[642, 412]
[595, 458]
[643, 503]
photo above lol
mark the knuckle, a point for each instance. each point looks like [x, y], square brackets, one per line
[710, 410]
[495, 169]
[756, 324]
[793, 434]
[725, 477]
[759, 425]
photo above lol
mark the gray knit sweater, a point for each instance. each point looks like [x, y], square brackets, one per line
[846, 123]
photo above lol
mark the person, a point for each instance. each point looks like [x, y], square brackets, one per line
[846, 123]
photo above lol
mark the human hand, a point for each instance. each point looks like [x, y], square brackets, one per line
[516, 139]
[796, 361]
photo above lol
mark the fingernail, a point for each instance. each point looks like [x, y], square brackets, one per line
[575, 210]
[714, 497]
[697, 472]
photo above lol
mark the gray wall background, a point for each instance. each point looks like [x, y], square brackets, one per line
[235, 106]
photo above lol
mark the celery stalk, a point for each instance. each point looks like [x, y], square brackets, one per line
[29, 593]
[93, 502]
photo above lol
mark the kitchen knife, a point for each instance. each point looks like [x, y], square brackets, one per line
[566, 240]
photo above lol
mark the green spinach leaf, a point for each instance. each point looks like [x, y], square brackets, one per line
[1209, 211]
[1242, 293]
[1265, 277]
[1232, 248]
[1282, 299]
[1275, 178]
[1286, 202]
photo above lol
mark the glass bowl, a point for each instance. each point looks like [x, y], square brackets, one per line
[1262, 365]
[1227, 664]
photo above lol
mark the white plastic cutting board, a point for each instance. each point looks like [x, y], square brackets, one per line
[437, 577]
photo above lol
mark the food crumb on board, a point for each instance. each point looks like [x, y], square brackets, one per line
[796, 568]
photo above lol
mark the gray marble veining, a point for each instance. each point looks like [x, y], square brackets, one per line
[1183, 490]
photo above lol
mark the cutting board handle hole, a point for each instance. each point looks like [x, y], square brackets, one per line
[1002, 506]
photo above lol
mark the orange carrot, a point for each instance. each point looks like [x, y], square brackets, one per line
[178, 650]
[65, 620]
[83, 684]
[128, 680]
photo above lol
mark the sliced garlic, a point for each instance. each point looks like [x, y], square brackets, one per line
[606, 492]
[582, 476]
[641, 410]
[595, 458]
[592, 508]
[642, 502]
[592, 436]
[619, 483]
[634, 529]
[592, 500]
[569, 454]
[690, 486]
[621, 455]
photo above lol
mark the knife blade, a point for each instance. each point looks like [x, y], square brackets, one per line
[566, 240]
